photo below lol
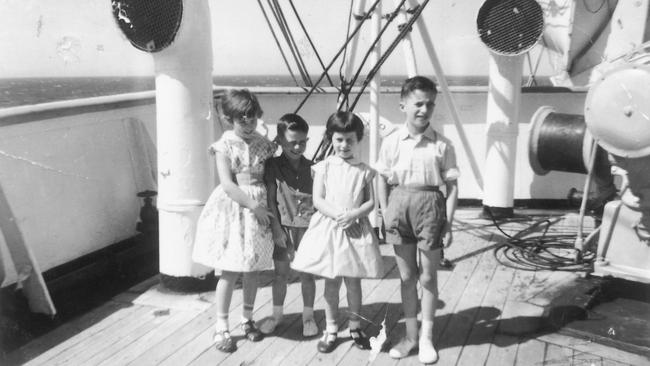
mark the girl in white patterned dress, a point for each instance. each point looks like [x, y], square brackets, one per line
[233, 231]
[340, 243]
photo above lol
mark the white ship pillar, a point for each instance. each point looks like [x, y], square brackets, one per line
[508, 29]
[502, 129]
[180, 40]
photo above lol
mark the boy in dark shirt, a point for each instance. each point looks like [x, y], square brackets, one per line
[289, 188]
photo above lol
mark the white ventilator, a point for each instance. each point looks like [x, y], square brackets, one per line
[509, 29]
[178, 34]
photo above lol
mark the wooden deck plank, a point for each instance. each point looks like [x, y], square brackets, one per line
[346, 344]
[478, 343]
[455, 286]
[607, 353]
[94, 345]
[200, 341]
[514, 318]
[530, 352]
[158, 352]
[465, 314]
[466, 333]
[68, 334]
[502, 355]
[558, 355]
[582, 358]
[246, 351]
[303, 350]
[99, 330]
[375, 307]
[370, 288]
[133, 349]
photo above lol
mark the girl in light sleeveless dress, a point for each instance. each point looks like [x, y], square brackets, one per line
[233, 232]
[340, 243]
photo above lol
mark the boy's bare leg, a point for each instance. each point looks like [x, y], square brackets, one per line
[406, 258]
[429, 261]
[308, 286]
[279, 293]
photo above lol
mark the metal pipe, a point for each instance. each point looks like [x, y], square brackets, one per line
[184, 121]
[504, 96]
[375, 84]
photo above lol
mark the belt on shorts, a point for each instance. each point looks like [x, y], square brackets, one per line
[416, 188]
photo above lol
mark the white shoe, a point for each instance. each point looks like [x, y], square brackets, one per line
[403, 348]
[268, 324]
[427, 353]
[309, 327]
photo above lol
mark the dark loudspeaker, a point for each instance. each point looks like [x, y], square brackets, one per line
[150, 25]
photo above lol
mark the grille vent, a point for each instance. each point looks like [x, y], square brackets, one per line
[150, 25]
[510, 27]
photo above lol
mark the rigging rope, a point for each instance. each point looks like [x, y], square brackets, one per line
[403, 32]
[279, 17]
[541, 252]
[345, 85]
[336, 56]
[391, 17]
[277, 42]
[311, 43]
[324, 148]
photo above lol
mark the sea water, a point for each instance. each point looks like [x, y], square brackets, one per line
[25, 91]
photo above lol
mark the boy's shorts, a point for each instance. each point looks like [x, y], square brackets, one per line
[294, 235]
[415, 215]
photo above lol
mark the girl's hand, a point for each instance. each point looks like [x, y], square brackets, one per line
[447, 236]
[345, 220]
[262, 214]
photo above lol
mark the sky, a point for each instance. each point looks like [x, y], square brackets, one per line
[64, 38]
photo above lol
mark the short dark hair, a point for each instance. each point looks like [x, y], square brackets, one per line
[418, 83]
[291, 122]
[344, 122]
[240, 102]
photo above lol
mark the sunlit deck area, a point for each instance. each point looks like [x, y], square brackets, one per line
[489, 314]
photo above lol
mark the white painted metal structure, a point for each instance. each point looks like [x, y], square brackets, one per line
[185, 129]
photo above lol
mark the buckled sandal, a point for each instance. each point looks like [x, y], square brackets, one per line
[252, 333]
[327, 343]
[360, 338]
[223, 342]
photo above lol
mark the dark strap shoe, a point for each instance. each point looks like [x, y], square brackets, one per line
[252, 333]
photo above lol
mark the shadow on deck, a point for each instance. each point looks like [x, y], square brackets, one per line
[489, 314]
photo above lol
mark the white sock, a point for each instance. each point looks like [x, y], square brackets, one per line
[354, 324]
[427, 329]
[247, 313]
[221, 322]
[331, 326]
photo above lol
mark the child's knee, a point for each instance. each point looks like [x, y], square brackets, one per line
[408, 277]
[429, 281]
